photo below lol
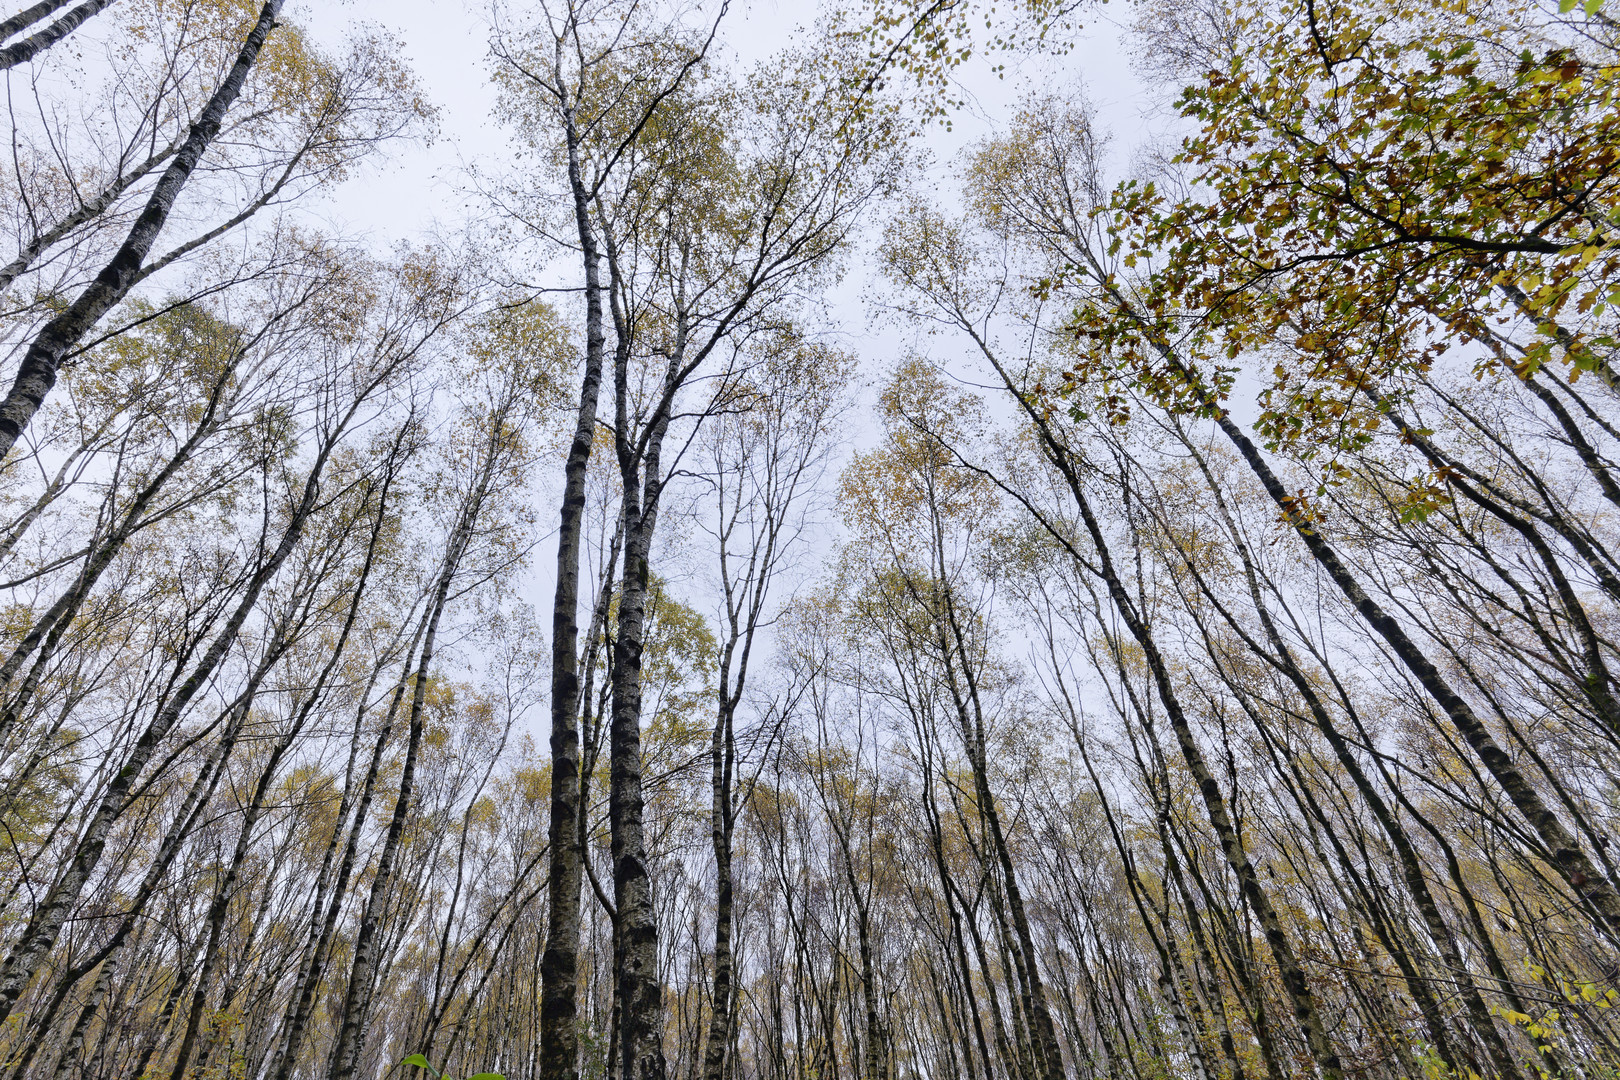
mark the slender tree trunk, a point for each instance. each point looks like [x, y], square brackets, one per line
[356, 1008]
[37, 373]
[874, 1064]
[1255, 897]
[640, 994]
[196, 800]
[720, 832]
[48, 629]
[30, 948]
[225, 892]
[307, 980]
[87, 211]
[1411, 866]
[559, 966]
[1566, 851]
[971, 718]
[1254, 894]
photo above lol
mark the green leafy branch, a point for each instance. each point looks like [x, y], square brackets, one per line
[422, 1062]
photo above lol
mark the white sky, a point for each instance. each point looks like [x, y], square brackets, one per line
[446, 43]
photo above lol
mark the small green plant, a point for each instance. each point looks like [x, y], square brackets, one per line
[1435, 1068]
[422, 1062]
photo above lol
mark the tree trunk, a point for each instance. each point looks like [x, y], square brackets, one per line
[37, 373]
[720, 832]
[363, 973]
[30, 47]
[1567, 853]
[31, 947]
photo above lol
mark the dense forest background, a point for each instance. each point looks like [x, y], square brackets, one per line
[1180, 641]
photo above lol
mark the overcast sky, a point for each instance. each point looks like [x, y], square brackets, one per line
[446, 44]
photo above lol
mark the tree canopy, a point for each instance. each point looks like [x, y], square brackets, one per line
[1044, 603]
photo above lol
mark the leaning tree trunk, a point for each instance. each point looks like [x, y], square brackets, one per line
[87, 211]
[1255, 897]
[30, 47]
[37, 373]
[1282, 657]
[1566, 851]
[363, 974]
[29, 16]
[226, 890]
[30, 948]
[49, 628]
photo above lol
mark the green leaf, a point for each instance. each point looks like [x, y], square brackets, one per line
[1565, 6]
[1592, 6]
[422, 1062]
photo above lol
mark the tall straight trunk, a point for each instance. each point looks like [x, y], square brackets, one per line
[364, 971]
[636, 963]
[640, 995]
[37, 373]
[874, 1063]
[744, 602]
[559, 965]
[721, 823]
